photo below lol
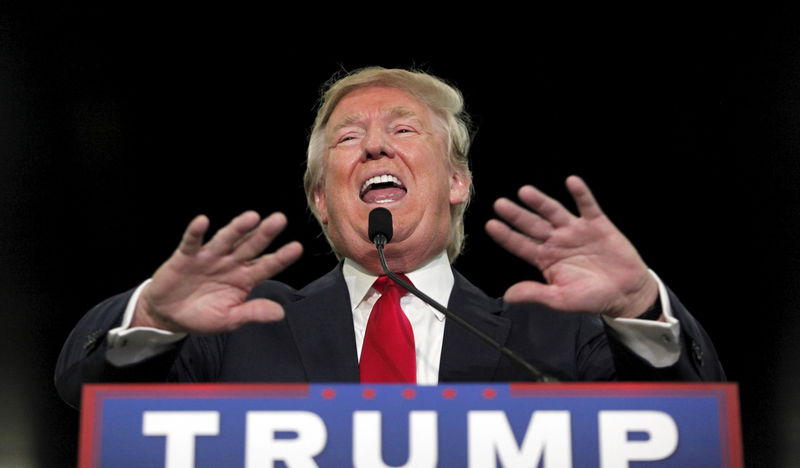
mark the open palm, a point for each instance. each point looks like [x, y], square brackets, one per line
[588, 264]
[203, 288]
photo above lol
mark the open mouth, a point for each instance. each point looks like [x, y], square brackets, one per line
[384, 188]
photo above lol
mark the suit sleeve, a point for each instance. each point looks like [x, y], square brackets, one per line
[698, 360]
[83, 357]
[582, 347]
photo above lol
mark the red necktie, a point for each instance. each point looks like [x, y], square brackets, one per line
[388, 352]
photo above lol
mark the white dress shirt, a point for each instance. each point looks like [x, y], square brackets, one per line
[435, 279]
[655, 341]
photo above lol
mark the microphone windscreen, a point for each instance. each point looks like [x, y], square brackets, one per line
[380, 222]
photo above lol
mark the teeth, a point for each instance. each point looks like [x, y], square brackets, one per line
[382, 179]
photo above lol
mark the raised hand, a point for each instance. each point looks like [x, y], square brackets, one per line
[202, 289]
[589, 265]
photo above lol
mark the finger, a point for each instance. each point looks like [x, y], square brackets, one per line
[193, 236]
[226, 239]
[532, 291]
[260, 237]
[270, 265]
[587, 205]
[524, 220]
[256, 310]
[547, 207]
[518, 244]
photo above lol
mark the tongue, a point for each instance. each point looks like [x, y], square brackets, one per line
[384, 195]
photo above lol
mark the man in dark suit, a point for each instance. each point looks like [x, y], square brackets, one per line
[396, 139]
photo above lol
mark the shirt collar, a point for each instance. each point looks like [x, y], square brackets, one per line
[435, 279]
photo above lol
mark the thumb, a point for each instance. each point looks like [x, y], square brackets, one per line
[256, 310]
[532, 291]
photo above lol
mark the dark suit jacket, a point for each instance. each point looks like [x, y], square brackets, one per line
[316, 343]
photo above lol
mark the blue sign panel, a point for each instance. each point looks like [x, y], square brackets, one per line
[466, 425]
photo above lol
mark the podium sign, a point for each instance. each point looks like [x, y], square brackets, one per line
[464, 425]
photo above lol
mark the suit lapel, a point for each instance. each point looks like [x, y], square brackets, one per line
[464, 356]
[322, 326]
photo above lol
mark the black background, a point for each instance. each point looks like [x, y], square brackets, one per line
[119, 124]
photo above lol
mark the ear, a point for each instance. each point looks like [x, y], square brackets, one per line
[321, 204]
[460, 184]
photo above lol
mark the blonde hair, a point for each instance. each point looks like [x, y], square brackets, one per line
[443, 99]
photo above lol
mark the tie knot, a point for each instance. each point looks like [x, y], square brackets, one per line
[384, 283]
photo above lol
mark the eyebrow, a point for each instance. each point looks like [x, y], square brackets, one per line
[392, 113]
[346, 122]
[401, 111]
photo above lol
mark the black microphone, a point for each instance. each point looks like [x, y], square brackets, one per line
[380, 233]
[380, 224]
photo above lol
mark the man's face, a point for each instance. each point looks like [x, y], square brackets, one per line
[386, 149]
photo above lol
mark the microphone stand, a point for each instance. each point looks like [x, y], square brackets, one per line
[380, 243]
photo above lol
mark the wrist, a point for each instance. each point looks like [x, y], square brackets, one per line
[654, 312]
[644, 303]
[144, 315]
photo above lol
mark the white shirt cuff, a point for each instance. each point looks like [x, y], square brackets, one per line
[654, 341]
[128, 346]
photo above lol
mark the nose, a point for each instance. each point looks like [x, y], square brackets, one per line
[376, 147]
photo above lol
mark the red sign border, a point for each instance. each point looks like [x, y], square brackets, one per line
[727, 394]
